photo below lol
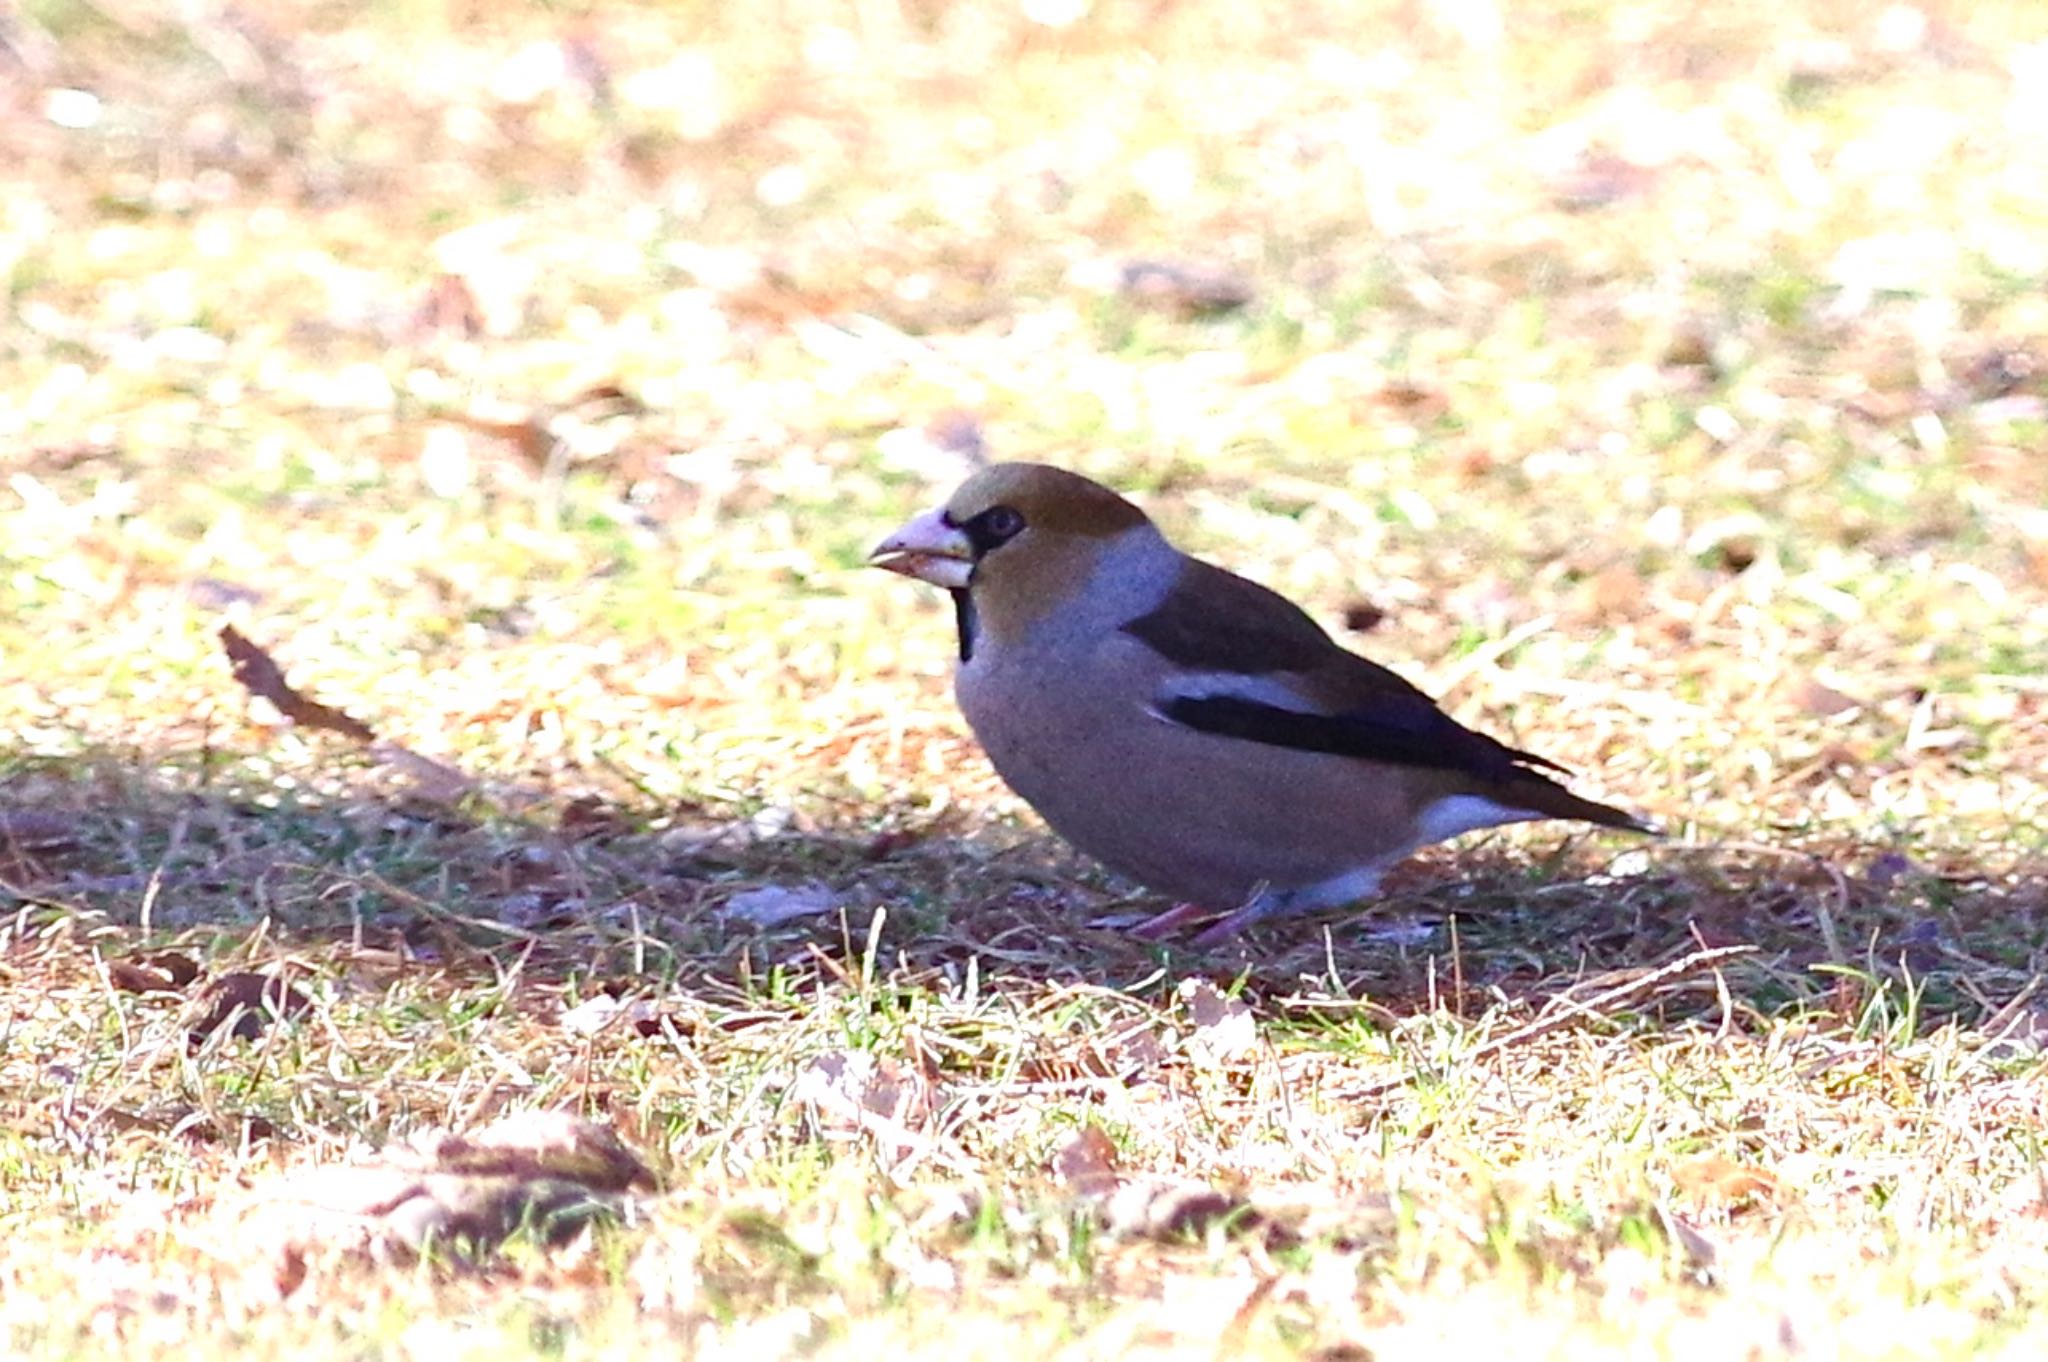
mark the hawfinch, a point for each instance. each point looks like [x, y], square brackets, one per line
[1190, 728]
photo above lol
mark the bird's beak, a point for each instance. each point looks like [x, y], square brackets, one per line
[930, 550]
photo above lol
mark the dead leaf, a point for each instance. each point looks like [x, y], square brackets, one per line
[2002, 371]
[165, 972]
[1616, 592]
[1597, 179]
[651, 1020]
[245, 1002]
[853, 1092]
[592, 1015]
[263, 678]
[546, 1171]
[1713, 1181]
[845, 1087]
[1418, 400]
[1224, 1027]
[1362, 616]
[1690, 346]
[1183, 287]
[531, 434]
[1124, 1053]
[448, 306]
[533, 1144]
[132, 978]
[592, 816]
[1152, 1208]
[771, 905]
[434, 781]
[1086, 1163]
[1822, 701]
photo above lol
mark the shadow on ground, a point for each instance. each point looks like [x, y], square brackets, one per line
[654, 901]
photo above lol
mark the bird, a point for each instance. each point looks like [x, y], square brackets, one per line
[1187, 727]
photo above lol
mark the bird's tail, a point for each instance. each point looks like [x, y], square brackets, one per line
[1541, 795]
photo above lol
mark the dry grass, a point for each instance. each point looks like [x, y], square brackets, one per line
[1664, 388]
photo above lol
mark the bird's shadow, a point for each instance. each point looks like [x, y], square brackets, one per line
[694, 902]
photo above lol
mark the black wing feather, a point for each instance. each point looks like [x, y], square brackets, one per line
[1407, 734]
[1380, 718]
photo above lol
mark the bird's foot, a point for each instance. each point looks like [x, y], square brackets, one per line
[1160, 926]
[1258, 907]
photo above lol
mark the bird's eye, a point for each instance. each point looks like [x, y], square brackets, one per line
[993, 528]
[1003, 522]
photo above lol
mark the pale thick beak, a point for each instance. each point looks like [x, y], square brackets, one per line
[930, 550]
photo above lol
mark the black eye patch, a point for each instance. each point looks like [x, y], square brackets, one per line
[993, 528]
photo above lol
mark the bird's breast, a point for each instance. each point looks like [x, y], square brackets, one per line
[1191, 814]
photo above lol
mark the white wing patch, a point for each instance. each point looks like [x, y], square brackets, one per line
[1454, 814]
[1264, 690]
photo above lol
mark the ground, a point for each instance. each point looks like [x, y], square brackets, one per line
[441, 696]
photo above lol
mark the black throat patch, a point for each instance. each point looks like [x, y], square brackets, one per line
[963, 616]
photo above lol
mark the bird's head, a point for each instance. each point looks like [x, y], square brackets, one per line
[1022, 537]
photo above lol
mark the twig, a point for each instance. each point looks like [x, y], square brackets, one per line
[1572, 1013]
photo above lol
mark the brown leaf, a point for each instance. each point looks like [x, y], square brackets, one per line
[854, 1092]
[434, 781]
[648, 1019]
[1224, 1027]
[1712, 1180]
[262, 677]
[2002, 371]
[1086, 1163]
[531, 436]
[1414, 398]
[449, 305]
[1598, 179]
[246, 1002]
[1153, 1208]
[1183, 287]
[844, 1088]
[165, 972]
[1689, 347]
[604, 399]
[533, 1144]
[548, 1171]
[890, 842]
[593, 816]
[1617, 591]
[1819, 699]
[1362, 616]
[596, 1013]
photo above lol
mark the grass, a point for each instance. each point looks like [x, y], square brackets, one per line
[1662, 388]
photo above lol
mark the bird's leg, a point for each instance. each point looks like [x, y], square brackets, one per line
[1263, 903]
[1162, 925]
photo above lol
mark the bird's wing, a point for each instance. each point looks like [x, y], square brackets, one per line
[1247, 663]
